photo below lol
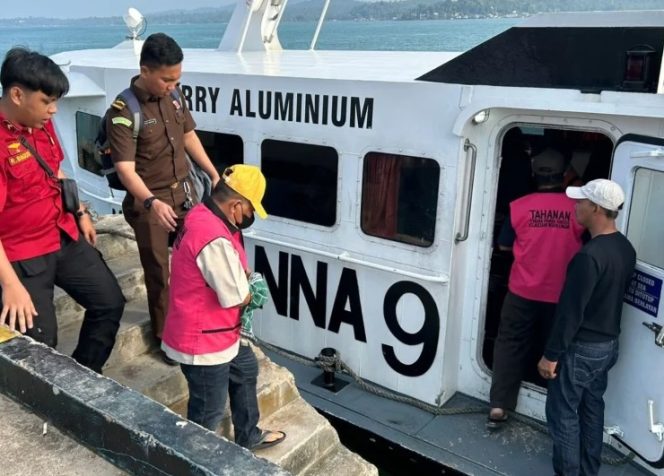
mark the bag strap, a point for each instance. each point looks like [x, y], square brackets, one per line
[131, 101]
[41, 161]
[134, 106]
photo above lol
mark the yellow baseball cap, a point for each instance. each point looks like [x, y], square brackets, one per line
[248, 181]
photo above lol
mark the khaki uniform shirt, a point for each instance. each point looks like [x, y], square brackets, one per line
[159, 151]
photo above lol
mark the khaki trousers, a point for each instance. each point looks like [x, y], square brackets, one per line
[153, 243]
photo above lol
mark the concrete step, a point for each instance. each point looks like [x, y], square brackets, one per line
[312, 446]
[309, 437]
[275, 388]
[129, 273]
[113, 246]
[149, 375]
[341, 461]
[134, 336]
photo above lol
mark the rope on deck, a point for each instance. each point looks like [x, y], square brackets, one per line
[336, 364]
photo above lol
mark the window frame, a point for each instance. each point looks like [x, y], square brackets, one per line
[422, 248]
[96, 155]
[337, 184]
[643, 219]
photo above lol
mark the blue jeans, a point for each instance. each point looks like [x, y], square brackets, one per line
[575, 407]
[208, 387]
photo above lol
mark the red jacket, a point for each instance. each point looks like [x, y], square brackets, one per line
[31, 214]
[196, 323]
[547, 237]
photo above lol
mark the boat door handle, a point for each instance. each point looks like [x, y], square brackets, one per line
[658, 330]
[463, 235]
[656, 428]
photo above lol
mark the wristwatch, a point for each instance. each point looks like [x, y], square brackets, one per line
[148, 202]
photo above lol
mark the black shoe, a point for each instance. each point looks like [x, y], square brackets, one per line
[167, 360]
[496, 422]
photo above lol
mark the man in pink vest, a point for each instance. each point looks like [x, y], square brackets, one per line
[544, 236]
[209, 288]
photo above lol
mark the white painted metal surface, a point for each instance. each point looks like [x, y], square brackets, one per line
[635, 397]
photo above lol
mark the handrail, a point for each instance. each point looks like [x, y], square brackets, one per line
[345, 257]
[463, 236]
[245, 30]
[319, 25]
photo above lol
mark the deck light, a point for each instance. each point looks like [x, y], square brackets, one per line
[135, 22]
[481, 117]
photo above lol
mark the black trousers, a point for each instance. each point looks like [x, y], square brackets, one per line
[80, 270]
[524, 328]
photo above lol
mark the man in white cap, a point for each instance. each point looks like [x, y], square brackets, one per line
[584, 341]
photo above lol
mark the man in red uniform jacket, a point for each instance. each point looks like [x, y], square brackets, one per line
[41, 245]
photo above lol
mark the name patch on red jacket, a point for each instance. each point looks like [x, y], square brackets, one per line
[18, 158]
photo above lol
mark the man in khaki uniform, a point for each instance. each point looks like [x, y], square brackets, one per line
[153, 168]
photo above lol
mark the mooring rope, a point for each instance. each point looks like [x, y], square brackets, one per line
[334, 363]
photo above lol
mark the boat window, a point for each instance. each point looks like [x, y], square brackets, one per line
[301, 181]
[399, 197]
[223, 149]
[87, 126]
[646, 228]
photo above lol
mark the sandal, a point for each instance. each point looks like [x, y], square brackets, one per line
[265, 442]
[495, 423]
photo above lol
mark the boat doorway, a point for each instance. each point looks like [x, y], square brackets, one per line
[587, 157]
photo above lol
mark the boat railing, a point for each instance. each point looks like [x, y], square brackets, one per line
[321, 19]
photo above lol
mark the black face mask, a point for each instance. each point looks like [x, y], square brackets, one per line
[246, 222]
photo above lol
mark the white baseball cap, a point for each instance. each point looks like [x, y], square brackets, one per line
[605, 193]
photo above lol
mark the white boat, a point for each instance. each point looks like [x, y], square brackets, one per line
[388, 174]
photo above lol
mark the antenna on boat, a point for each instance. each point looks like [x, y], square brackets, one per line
[136, 23]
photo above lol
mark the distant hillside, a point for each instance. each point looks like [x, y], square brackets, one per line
[447, 9]
[309, 10]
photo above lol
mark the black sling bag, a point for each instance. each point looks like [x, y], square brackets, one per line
[68, 188]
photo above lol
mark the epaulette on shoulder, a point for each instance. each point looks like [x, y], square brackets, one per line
[118, 104]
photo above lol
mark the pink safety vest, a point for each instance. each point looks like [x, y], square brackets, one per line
[547, 237]
[196, 323]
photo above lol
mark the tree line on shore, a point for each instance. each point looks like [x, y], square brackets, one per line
[309, 10]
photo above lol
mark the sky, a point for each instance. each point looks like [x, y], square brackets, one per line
[99, 8]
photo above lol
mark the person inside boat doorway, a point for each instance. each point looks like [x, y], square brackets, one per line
[584, 340]
[211, 278]
[544, 236]
[153, 168]
[41, 243]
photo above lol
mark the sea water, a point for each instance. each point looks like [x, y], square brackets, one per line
[425, 35]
